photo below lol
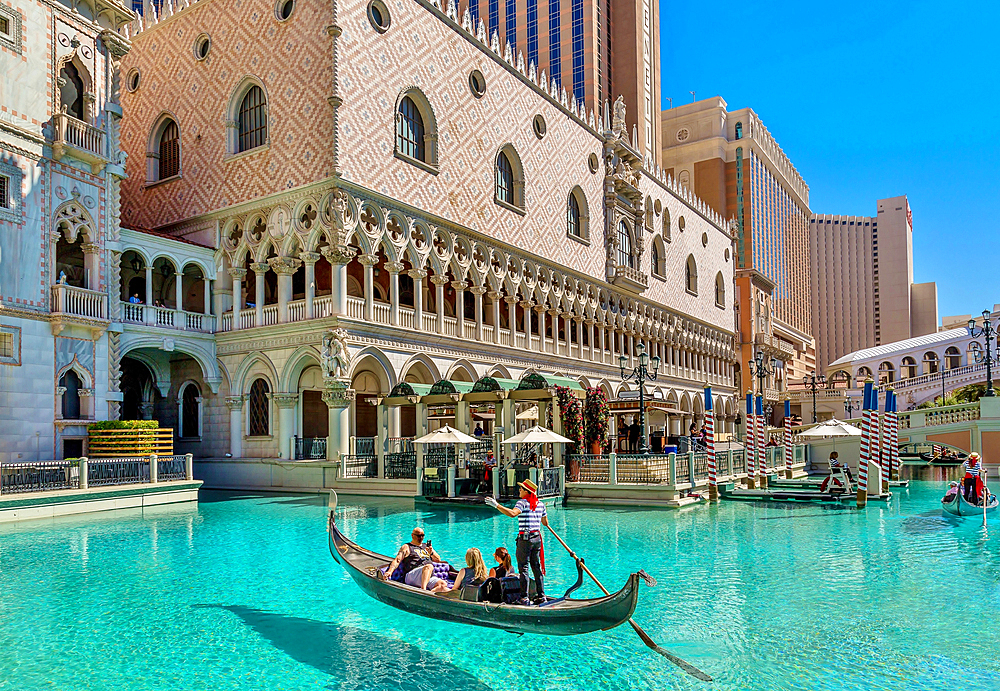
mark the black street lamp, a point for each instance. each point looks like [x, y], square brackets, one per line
[814, 382]
[989, 332]
[762, 369]
[641, 375]
[849, 407]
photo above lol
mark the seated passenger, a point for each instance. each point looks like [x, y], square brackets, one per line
[952, 492]
[474, 572]
[418, 564]
[503, 567]
[836, 463]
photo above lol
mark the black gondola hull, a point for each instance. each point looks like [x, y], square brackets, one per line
[563, 618]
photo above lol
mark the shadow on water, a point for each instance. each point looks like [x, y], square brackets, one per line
[357, 659]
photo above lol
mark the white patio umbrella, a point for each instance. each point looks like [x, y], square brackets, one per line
[537, 435]
[832, 428]
[529, 414]
[446, 435]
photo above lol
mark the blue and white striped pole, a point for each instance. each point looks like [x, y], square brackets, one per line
[749, 453]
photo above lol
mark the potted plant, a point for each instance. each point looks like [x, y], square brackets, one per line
[596, 414]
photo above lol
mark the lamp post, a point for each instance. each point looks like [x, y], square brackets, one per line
[641, 375]
[762, 369]
[989, 332]
[849, 407]
[814, 382]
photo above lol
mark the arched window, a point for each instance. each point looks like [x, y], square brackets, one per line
[71, 91]
[509, 179]
[252, 120]
[930, 363]
[649, 214]
[573, 217]
[190, 413]
[886, 373]
[505, 179]
[259, 409]
[952, 358]
[908, 368]
[739, 130]
[864, 374]
[71, 396]
[720, 290]
[625, 255]
[666, 225]
[654, 260]
[410, 130]
[691, 275]
[170, 151]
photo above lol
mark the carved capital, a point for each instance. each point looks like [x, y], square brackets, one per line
[285, 266]
[367, 259]
[439, 280]
[309, 257]
[238, 273]
[285, 400]
[90, 248]
[234, 402]
[394, 267]
[478, 290]
[260, 267]
[459, 285]
[492, 294]
[337, 394]
[85, 393]
[339, 255]
[417, 274]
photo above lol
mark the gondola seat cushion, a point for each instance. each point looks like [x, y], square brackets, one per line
[441, 570]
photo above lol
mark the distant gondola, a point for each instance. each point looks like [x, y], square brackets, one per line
[956, 505]
[561, 617]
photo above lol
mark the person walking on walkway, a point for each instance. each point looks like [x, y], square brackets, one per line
[531, 516]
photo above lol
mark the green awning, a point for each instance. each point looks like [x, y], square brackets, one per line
[408, 389]
[530, 382]
[446, 386]
[487, 384]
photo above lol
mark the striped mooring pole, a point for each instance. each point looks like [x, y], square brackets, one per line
[866, 431]
[749, 452]
[761, 443]
[789, 458]
[713, 478]
[886, 440]
[894, 440]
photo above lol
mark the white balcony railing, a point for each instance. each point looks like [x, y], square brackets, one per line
[170, 318]
[81, 140]
[79, 302]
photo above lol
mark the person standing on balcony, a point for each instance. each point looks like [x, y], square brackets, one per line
[479, 430]
[135, 299]
[531, 516]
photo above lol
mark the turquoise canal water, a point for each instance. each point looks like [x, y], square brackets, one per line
[240, 592]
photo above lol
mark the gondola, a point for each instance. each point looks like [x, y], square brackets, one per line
[561, 617]
[956, 505]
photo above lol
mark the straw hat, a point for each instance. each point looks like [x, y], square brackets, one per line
[973, 456]
[528, 486]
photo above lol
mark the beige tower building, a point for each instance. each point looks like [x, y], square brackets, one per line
[863, 294]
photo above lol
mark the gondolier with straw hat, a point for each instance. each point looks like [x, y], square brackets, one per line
[531, 516]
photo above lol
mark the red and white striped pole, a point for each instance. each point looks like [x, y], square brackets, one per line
[866, 429]
[713, 478]
[789, 458]
[886, 439]
[749, 451]
[761, 443]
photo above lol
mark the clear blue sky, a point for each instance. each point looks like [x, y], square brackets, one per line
[869, 100]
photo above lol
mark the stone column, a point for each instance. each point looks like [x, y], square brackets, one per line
[285, 267]
[590, 338]
[381, 438]
[179, 321]
[235, 405]
[459, 287]
[477, 293]
[338, 398]
[540, 309]
[554, 319]
[368, 261]
[286, 403]
[394, 268]
[237, 275]
[91, 265]
[439, 284]
[339, 258]
[208, 295]
[310, 259]
[526, 310]
[495, 307]
[512, 318]
[259, 269]
[149, 285]
[418, 276]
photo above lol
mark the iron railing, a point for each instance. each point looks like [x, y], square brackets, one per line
[700, 466]
[521, 473]
[117, 471]
[401, 465]
[400, 445]
[439, 455]
[548, 482]
[16, 478]
[591, 467]
[364, 446]
[479, 450]
[360, 466]
[739, 462]
[170, 468]
[311, 448]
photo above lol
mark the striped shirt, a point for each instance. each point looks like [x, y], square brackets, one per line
[972, 468]
[529, 521]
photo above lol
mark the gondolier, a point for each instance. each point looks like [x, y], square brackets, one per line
[531, 516]
[972, 483]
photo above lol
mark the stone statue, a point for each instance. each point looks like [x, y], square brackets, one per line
[618, 119]
[334, 358]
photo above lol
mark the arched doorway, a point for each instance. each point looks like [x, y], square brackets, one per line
[71, 396]
[137, 390]
[366, 388]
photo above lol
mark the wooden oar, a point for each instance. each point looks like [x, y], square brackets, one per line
[986, 496]
[650, 643]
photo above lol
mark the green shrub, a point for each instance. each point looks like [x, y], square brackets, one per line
[123, 424]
